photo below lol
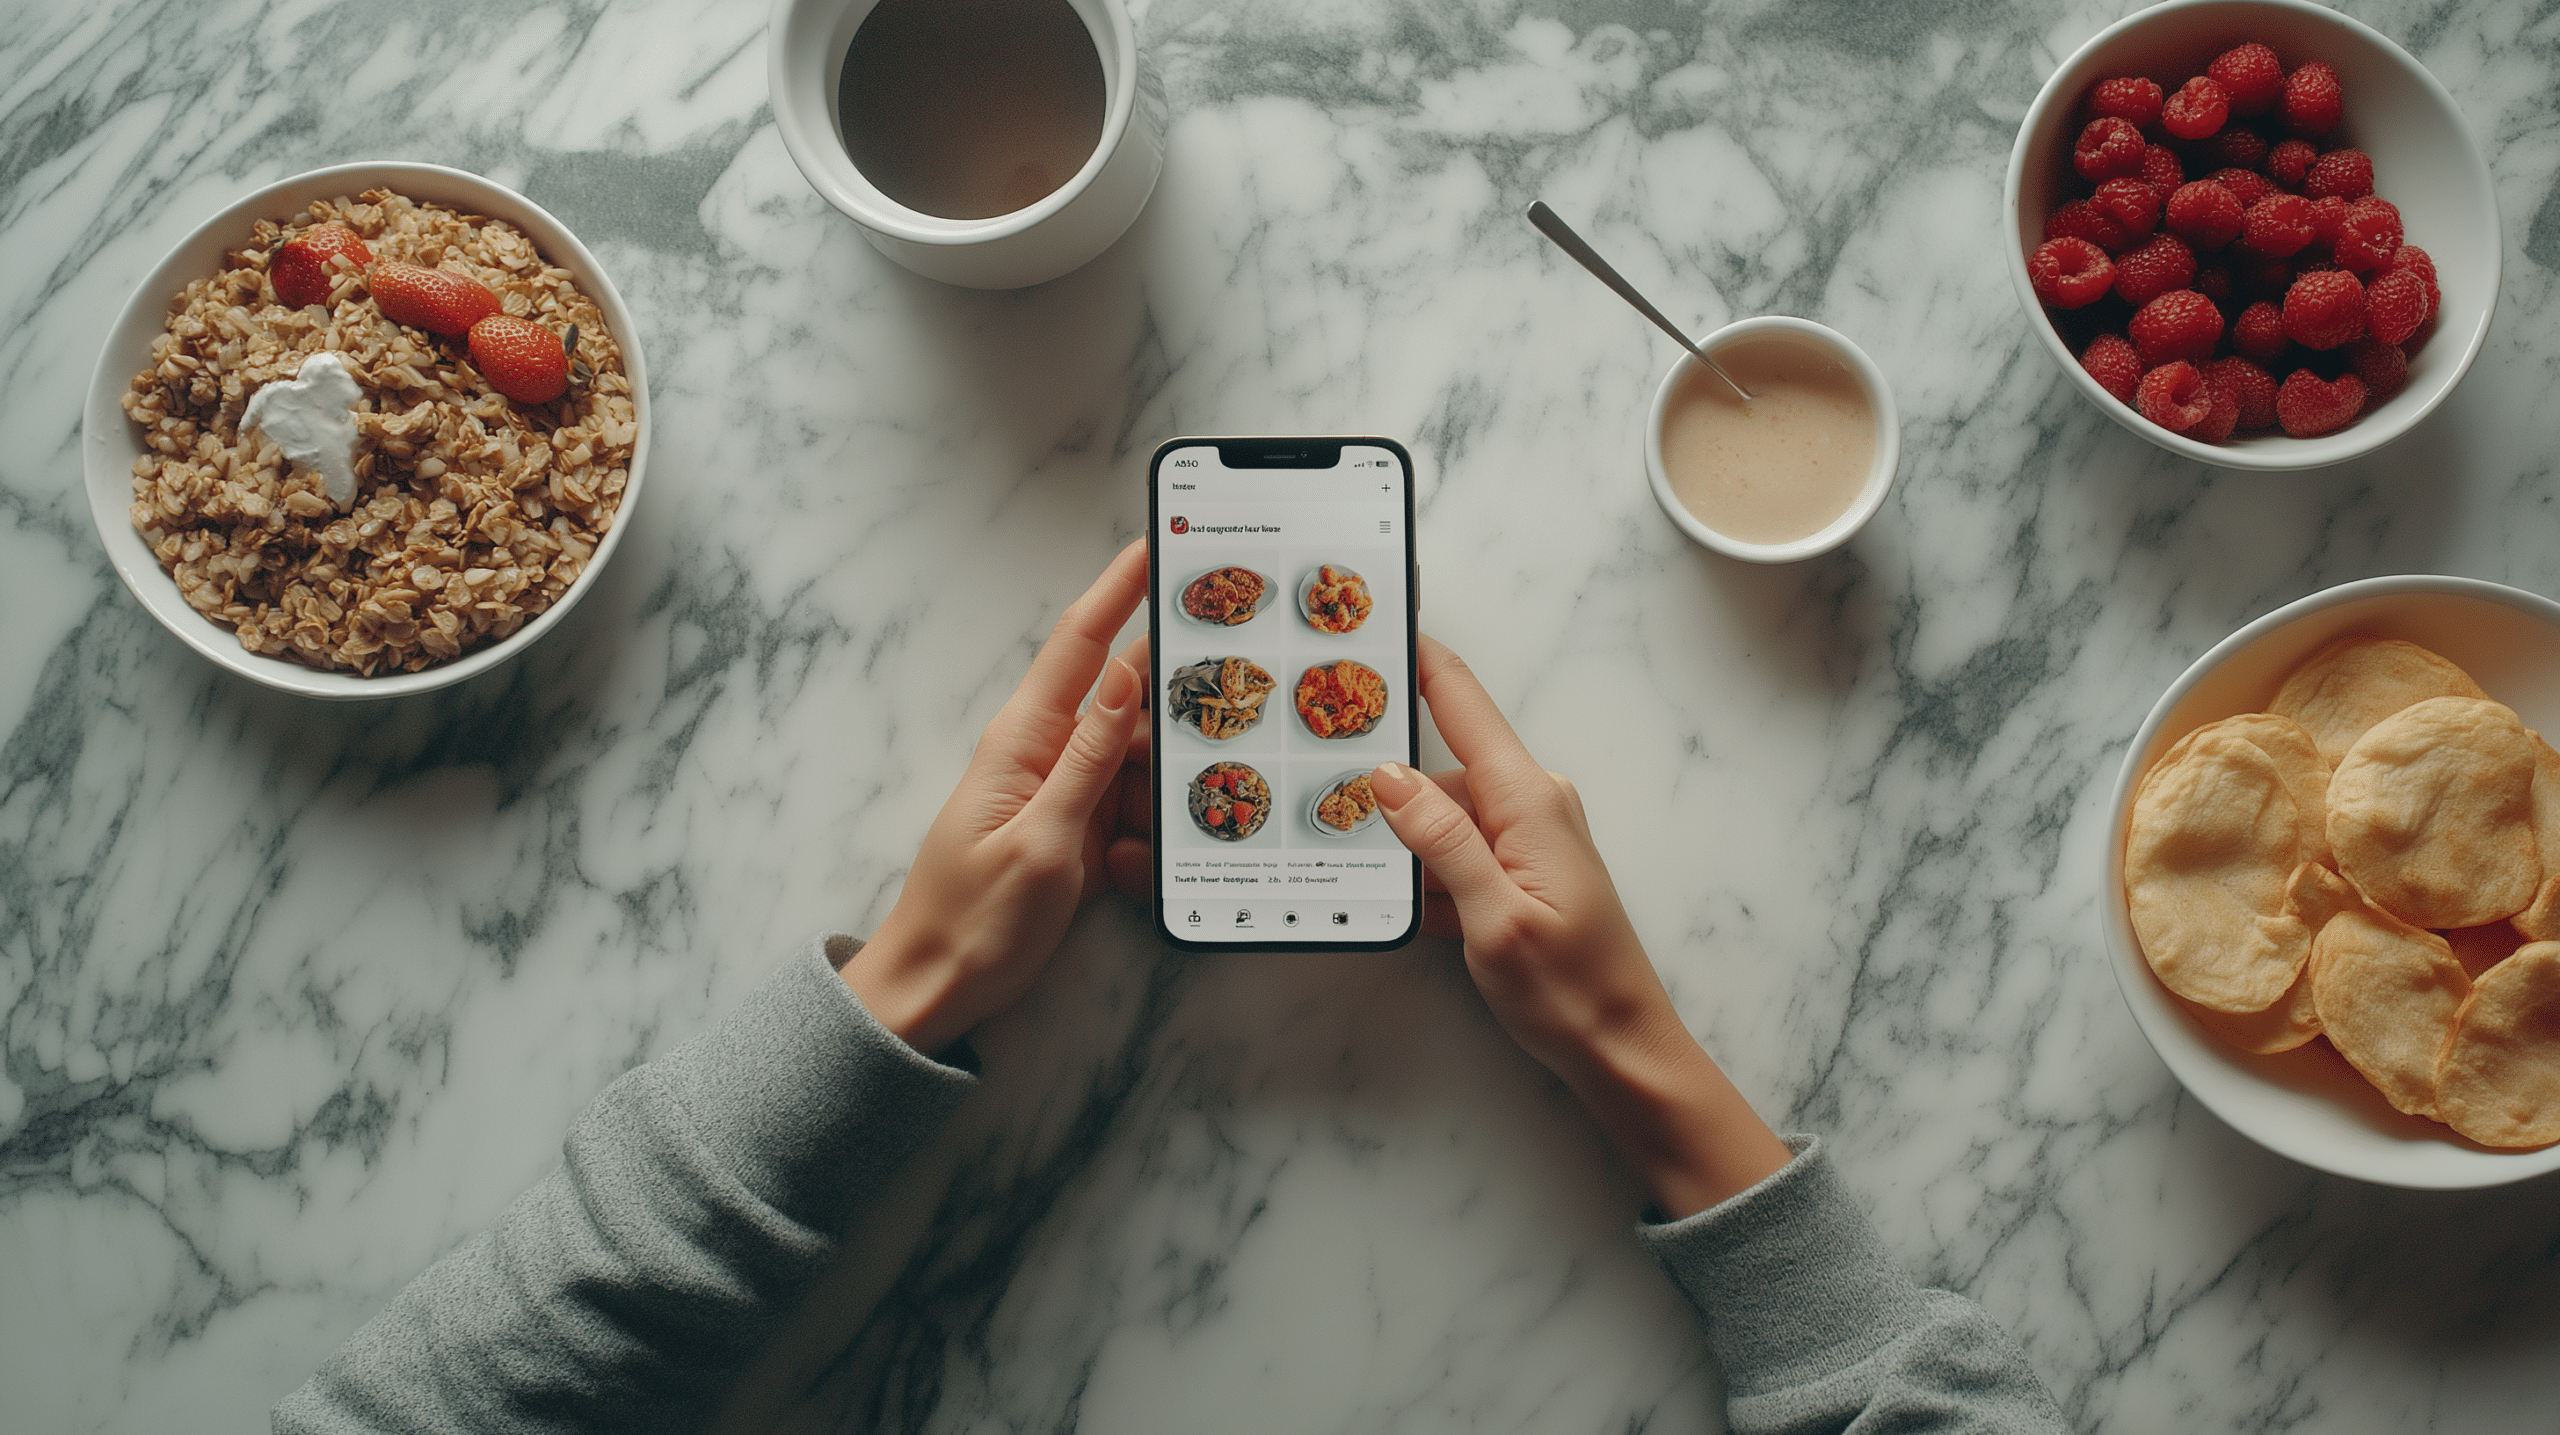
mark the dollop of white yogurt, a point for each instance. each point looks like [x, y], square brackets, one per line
[311, 417]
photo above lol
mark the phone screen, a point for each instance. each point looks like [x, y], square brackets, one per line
[1282, 614]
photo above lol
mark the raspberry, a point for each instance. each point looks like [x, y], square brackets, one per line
[2237, 147]
[2174, 396]
[2313, 103]
[2205, 214]
[2163, 264]
[2128, 202]
[2346, 173]
[2181, 324]
[2326, 215]
[2368, 236]
[2259, 335]
[2161, 169]
[2278, 225]
[2221, 417]
[2246, 186]
[2197, 110]
[2082, 220]
[2309, 406]
[2068, 273]
[2132, 99]
[2251, 76]
[2109, 148]
[2395, 306]
[2213, 281]
[2323, 310]
[2261, 277]
[2111, 360]
[2253, 387]
[2412, 257]
[2383, 367]
[2289, 163]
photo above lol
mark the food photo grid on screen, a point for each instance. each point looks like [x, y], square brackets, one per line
[1283, 684]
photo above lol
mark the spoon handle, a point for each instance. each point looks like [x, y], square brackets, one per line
[1552, 225]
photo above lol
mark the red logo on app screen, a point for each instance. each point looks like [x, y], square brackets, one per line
[1181, 524]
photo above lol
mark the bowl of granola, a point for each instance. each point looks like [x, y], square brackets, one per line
[330, 443]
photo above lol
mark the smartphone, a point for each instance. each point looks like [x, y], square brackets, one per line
[1281, 591]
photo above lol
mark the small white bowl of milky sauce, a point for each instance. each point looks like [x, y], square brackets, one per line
[1794, 472]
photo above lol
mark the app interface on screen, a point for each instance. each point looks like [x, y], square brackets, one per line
[1280, 686]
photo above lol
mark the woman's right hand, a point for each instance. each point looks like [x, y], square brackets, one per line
[1553, 952]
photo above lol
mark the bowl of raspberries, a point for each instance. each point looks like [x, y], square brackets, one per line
[2255, 232]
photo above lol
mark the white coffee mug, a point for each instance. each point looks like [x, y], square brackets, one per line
[1060, 233]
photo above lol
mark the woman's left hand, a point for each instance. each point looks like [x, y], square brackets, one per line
[1020, 846]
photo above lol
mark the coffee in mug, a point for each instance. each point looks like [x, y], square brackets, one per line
[969, 109]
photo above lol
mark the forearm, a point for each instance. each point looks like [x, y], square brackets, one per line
[1670, 1110]
[1680, 1121]
[697, 1198]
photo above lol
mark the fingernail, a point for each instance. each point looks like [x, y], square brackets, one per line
[1395, 783]
[1119, 684]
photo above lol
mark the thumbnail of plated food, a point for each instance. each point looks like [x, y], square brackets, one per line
[1343, 699]
[1337, 600]
[1345, 805]
[382, 434]
[1225, 597]
[1218, 698]
[1230, 801]
[2375, 862]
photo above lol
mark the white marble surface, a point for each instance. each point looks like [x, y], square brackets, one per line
[296, 997]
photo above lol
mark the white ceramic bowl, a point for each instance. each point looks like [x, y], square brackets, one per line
[1061, 233]
[1888, 437]
[2308, 1104]
[109, 443]
[2424, 160]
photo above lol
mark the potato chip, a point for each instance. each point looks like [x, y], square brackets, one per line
[2213, 841]
[2299, 763]
[2431, 814]
[2387, 993]
[2499, 1078]
[2355, 682]
[2313, 896]
[2293, 1021]
[2540, 920]
[2480, 948]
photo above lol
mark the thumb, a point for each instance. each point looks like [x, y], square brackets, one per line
[1091, 758]
[1438, 830]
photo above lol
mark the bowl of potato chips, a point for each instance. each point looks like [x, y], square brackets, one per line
[2332, 892]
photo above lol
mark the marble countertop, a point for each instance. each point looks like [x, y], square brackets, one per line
[297, 996]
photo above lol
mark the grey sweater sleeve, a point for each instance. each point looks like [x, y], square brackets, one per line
[697, 1199]
[1818, 1329]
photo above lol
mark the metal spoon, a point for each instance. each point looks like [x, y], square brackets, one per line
[1552, 225]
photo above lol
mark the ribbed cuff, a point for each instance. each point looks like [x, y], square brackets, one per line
[1788, 1277]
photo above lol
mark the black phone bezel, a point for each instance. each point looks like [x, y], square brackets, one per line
[1307, 452]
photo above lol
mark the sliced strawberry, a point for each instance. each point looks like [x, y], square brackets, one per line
[520, 358]
[300, 269]
[439, 301]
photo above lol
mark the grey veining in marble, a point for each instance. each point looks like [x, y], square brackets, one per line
[293, 998]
